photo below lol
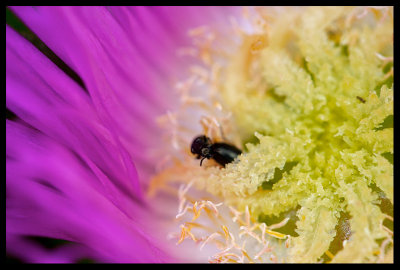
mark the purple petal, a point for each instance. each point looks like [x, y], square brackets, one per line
[56, 196]
[35, 92]
[69, 155]
[29, 251]
[121, 83]
[65, 178]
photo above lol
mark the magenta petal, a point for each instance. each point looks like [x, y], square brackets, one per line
[66, 178]
[28, 251]
[56, 196]
[70, 155]
[36, 94]
[126, 89]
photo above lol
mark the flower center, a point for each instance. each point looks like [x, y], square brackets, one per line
[308, 97]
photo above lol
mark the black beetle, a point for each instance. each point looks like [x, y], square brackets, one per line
[222, 153]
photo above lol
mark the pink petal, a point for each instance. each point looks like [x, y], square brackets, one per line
[55, 195]
[69, 155]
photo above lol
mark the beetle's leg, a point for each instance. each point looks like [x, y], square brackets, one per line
[201, 162]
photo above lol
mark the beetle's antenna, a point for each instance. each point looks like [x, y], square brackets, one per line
[201, 161]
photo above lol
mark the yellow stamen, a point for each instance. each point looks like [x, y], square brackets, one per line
[329, 254]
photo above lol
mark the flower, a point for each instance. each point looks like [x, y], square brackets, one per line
[104, 163]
